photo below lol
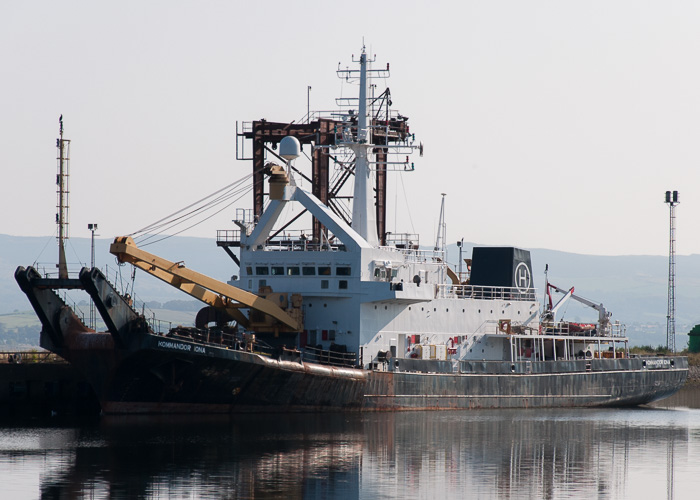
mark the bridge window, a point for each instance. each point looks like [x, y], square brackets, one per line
[342, 271]
[343, 284]
[249, 270]
[277, 270]
[324, 271]
[262, 270]
[308, 271]
[293, 271]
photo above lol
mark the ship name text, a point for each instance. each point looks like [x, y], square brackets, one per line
[181, 347]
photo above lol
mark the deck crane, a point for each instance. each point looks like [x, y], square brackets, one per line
[603, 314]
[215, 293]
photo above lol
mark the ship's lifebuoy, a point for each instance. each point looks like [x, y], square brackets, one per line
[504, 326]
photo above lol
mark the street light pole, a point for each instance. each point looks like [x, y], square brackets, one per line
[92, 228]
[460, 244]
[308, 104]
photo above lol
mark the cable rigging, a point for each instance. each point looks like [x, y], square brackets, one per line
[227, 195]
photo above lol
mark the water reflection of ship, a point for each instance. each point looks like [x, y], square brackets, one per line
[492, 454]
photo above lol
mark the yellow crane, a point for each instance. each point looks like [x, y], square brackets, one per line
[214, 292]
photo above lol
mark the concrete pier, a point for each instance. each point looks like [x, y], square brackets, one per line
[40, 384]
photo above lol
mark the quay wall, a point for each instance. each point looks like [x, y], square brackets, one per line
[38, 384]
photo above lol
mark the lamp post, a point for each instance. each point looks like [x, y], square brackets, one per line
[308, 104]
[92, 228]
[460, 244]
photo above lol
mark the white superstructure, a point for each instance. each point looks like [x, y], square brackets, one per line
[399, 299]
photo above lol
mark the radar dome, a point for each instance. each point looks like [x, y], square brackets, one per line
[290, 148]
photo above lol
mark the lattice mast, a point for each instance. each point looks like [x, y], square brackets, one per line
[62, 191]
[672, 201]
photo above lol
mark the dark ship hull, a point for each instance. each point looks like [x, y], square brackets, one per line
[134, 370]
[165, 375]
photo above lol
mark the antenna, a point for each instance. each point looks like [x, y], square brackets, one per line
[672, 201]
[442, 228]
[62, 191]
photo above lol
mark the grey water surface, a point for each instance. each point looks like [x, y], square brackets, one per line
[647, 452]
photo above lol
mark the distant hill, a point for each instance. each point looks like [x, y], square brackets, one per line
[633, 287]
[200, 254]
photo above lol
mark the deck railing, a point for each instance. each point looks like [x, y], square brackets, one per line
[326, 357]
[485, 292]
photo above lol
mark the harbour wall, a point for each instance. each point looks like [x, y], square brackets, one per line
[39, 384]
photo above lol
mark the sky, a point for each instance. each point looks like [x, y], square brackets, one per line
[548, 124]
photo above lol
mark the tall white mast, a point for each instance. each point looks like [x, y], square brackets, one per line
[364, 218]
[357, 135]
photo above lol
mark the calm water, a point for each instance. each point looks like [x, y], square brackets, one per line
[634, 453]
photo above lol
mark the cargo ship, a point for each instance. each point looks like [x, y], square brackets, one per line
[346, 317]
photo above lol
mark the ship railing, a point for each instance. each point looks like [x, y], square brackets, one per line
[418, 256]
[447, 290]
[41, 267]
[246, 127]
[217, 338]
[328, 357]
[616, 329]
[228, 237]
[245, 216]
[159, 326]
[290, 245]
[403, 241]
[558, 328]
